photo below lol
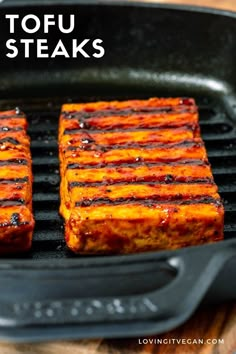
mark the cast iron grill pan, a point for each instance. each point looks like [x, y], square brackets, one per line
[217, 130]
[69, 297]
[49, 293]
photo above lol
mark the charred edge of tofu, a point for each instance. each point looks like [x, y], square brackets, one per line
[135, 177]
[16, 218]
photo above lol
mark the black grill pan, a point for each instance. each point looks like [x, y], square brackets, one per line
[151, 50]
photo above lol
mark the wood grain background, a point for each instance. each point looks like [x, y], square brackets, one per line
[210, 323]
[220, 4]
[214, 322]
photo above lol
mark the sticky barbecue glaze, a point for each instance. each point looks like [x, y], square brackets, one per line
[135, 177]
[16, 219]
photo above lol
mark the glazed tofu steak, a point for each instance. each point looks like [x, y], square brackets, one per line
[16, 219]
[135, 177]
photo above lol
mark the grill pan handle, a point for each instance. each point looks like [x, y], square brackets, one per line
[160, 309]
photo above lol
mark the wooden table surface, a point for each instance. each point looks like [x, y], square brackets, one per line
[218, 322]
[220, 4]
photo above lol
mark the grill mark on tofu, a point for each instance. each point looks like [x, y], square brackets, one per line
[10, 129]
[132, 163]
[155, 173]
[105, 148]
[148, 180]
[11, 202]
[13, 162]
[9, 140]
[85, 114]
[92, 130]
[14, 180]
[150, 201]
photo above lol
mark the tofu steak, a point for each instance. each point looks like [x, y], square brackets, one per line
[16, 219]
[135, 177]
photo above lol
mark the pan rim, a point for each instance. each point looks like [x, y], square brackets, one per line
[74, 262]
[113, 3]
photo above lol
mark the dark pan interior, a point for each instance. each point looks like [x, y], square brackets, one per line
[218, 132]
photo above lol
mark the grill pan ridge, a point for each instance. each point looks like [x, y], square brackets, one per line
[49, 293]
